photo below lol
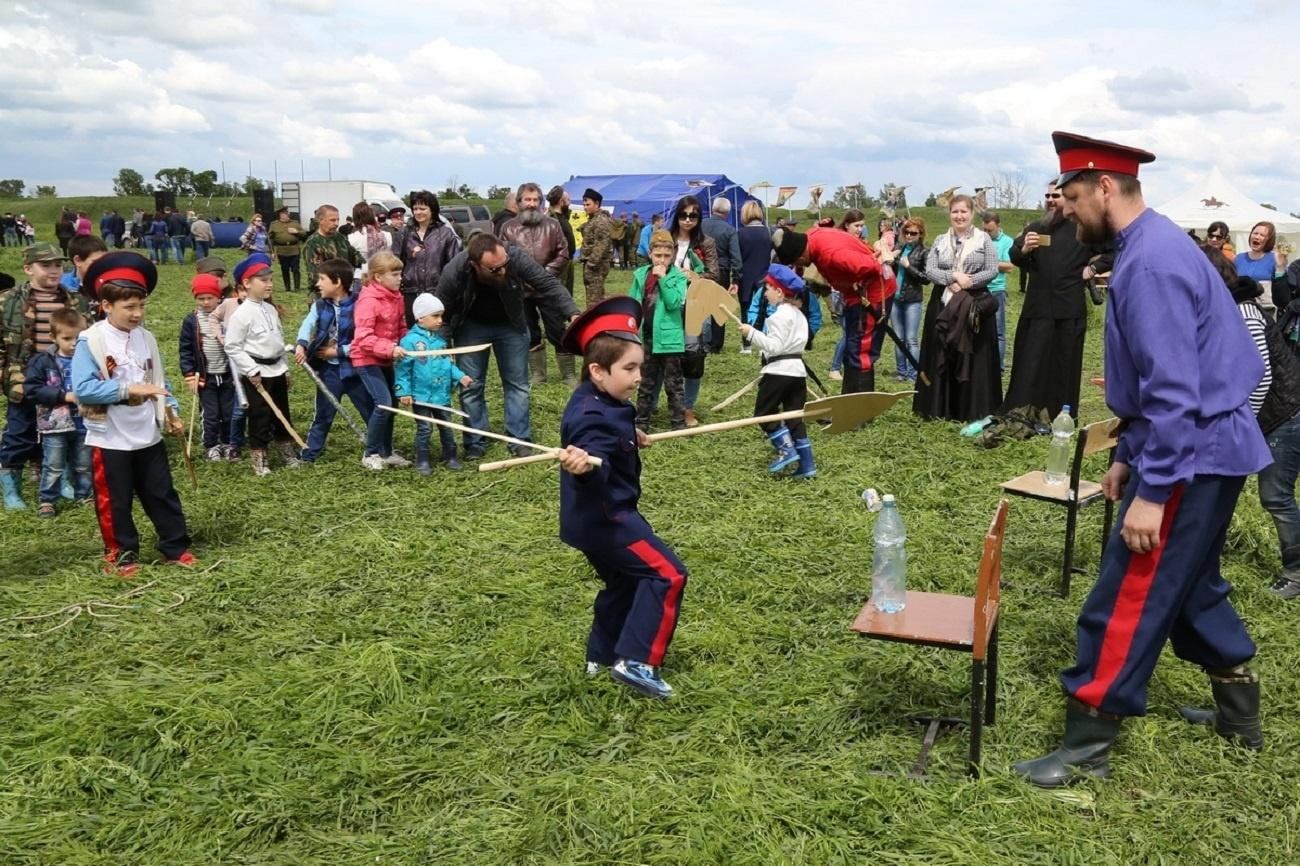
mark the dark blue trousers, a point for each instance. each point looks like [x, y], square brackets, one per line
[323, 420]
[1176, 593]
[19, 443]
[636, 613]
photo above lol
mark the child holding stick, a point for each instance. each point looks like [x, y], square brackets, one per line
[428, 381]
[380, 326]
[784, 384]
[206, 368]
[117, 377]
[255, 342]
[636, 613]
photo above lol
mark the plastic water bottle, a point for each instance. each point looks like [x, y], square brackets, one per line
[889, 559]
[1058, 455]
[975, 428]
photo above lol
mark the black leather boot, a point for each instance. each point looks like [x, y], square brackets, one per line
[1084, 750]
[1236, 713]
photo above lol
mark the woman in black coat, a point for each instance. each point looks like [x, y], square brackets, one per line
[755, 255]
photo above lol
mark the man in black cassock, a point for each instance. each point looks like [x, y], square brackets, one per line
[1047, 361]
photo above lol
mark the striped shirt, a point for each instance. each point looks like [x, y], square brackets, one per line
[1256, 325]
[213, 352]
[45, 302]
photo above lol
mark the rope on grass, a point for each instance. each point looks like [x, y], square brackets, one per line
[93, 607]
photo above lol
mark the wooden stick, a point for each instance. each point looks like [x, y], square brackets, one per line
[443, 408]
[339, 410]
[727, 310]
[454, 350]
[519, 461]
[736, 396]
[733, 425]
[275, 410]
[189, 441]
[548, 452]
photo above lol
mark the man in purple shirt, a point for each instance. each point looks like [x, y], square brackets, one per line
[1179, 370]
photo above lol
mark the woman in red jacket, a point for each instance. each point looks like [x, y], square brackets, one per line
[380, 324]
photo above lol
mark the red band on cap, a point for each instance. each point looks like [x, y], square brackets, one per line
[254, 269]
[607, 322]
[1099, 159]
[130, 275]
[777, 284]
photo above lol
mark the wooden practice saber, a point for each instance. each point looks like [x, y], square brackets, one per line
[548, 453]
[736, 396]
[189, 440]
[333, 401]
[440, 408]
[669, 434]
[454, 350]
[257, 386]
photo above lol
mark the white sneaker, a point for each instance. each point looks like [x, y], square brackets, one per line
[836, 375]
[216, 452]
[746, 350]
[373, 462]
[397, 461]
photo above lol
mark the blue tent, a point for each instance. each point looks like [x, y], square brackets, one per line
[649, 194]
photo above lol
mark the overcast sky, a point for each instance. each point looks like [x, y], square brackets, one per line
[493, 91]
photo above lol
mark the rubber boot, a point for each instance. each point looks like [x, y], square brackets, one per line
[288, 455]
[422, 459]
[1084, 750]
[785, 453]
[11, 482]
[537, 365]
[807, 469]
[564, 361]
[449, 459]
[258, 458]
[1236, 713]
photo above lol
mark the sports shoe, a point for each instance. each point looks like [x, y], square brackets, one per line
[745, 349]
[641, 677]
[397, 461]
[593, 669]
[373, 462]
[185, 560]
[1285, 587]
[215, 453]
[232, 454]
[836, 375]
[124, 564]
[45, 509]
[66, 490]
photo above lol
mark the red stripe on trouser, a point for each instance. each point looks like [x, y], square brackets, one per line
[864, 342]
[1130, 600]
[103, 501]
[646, 552]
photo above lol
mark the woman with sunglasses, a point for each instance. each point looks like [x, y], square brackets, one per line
[695, 252]
[1217, 236]
[906, 315]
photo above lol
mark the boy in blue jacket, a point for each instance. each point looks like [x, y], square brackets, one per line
[426, 383]
[324, 341]
[63, 435]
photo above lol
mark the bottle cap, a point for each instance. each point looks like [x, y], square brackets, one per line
[888, 499]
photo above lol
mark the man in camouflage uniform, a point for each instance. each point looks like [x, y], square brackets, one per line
[24, 330]
[617, 234]
[631, 240]
[597, 246]
[327, 243]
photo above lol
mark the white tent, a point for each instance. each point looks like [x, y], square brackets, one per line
[1214, 198]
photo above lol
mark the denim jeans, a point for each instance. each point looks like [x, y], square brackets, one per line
[424, 431]
[1002, 329]
[178, 247]
[200, 250]
[161, 246]
[110, 240]
[837, 355]
[511, 349]
[906, 321]
[238, 426]
[323, 420]
[1277, 493]
[56, 450]
[377, 381]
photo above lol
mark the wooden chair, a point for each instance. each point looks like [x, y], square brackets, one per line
[1076, 493]
[955, 622]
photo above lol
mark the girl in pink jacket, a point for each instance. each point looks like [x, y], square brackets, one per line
[380, 324]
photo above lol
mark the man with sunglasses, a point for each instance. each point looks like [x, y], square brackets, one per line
[1047, 359]
[597, 246]
[482, 290]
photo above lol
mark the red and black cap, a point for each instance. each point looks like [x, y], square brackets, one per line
[252, 266]
[619, 316]
[1078, 153]
[122, 267]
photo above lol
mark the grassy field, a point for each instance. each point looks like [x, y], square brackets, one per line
[388, 669]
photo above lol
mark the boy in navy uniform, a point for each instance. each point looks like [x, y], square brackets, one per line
[1180, 367]
[636, 613]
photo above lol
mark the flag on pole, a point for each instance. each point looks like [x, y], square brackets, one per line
[784, 194]
[762, 184]
[815, 196]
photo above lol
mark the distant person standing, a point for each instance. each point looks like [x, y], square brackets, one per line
[998, 288]
[727, 241]
[106, 228]
[326, 243]
[597, 246]
[201, 232]
[558, 200]
[509, 210]
[286, 236]
[425, 248]
[178, 233]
